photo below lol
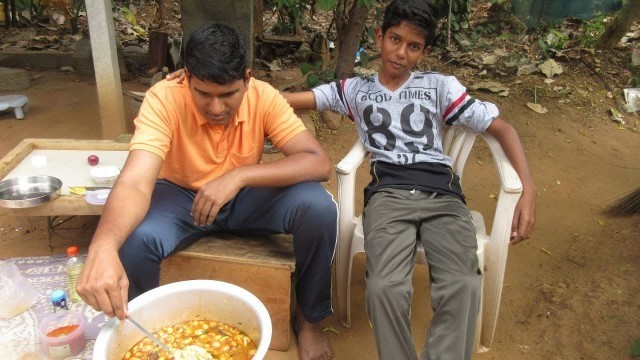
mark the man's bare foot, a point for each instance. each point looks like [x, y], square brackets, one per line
[313, 344]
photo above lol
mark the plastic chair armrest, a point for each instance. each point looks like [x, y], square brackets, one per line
[353, 159]
[346, 172]
[509, 179]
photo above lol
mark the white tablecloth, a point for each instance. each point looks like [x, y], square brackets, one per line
[19, 338]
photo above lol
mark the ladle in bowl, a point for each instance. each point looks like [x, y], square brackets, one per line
[175, 354]
[151, 336]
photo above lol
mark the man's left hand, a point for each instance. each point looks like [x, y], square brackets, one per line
[213, 196]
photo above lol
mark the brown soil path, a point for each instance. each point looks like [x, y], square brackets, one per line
[571, 292]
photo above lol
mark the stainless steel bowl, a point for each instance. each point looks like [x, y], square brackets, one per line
[29, 191]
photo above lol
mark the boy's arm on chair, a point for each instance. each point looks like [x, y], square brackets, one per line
[304, 100]
[524, 216]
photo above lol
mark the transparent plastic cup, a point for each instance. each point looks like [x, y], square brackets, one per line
[62, 334]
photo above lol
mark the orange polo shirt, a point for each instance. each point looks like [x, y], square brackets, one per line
[196, 152]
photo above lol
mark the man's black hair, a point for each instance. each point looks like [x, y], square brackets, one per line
[418, 13]
[216, 53]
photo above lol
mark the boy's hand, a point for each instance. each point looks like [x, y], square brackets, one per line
[178, 75]
[523, 217]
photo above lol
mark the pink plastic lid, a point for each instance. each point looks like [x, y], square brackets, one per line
[97, 197]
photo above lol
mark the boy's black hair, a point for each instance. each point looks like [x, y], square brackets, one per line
[216, 53]
[416, 12]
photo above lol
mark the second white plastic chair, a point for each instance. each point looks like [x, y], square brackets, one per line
[492, 247]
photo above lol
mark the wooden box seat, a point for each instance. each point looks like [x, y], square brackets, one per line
[261, 265]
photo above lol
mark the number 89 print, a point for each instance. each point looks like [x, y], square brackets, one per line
[402, 142]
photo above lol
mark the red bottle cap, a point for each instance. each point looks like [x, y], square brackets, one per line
[72, 250]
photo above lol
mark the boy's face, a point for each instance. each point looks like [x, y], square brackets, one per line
[401, 47]
[217, 103]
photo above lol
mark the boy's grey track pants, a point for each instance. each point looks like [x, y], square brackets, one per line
[396, 222]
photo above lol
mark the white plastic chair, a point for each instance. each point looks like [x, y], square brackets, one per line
[492, 247]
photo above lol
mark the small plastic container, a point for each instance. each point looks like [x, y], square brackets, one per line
[62, 334]
[104, 175]
[39, 161]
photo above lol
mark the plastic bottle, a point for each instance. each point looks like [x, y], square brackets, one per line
[74, 267]
[59, 300]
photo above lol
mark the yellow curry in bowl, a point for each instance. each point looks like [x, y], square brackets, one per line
[220, 340]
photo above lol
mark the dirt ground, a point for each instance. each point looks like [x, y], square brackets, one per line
[570, 292]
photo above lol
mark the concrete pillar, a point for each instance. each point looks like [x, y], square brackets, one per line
[237, 14]
[105, 64]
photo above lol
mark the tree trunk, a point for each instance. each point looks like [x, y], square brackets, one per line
[349, 34]
[7, 14]
[619, 26]
[14, 13]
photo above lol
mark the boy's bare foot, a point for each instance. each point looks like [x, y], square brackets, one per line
[313, 344]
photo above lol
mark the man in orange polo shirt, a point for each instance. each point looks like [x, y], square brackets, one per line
[194, 169]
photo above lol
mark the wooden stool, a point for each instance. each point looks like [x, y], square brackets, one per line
[261, 265]
[19, 103]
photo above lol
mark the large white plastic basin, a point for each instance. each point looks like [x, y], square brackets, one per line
[182, 301]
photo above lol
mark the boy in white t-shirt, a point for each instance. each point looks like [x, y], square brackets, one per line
[414, 194]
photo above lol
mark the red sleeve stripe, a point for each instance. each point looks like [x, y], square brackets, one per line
[454, 105]
[342, 85]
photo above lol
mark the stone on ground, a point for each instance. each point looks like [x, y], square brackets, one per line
[13, 79]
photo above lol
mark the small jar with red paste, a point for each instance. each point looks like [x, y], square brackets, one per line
[62, 334]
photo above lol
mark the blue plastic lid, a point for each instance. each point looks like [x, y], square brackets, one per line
[57, 295]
